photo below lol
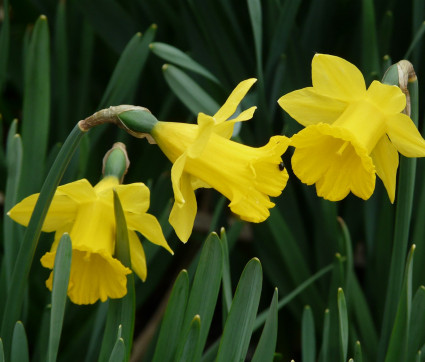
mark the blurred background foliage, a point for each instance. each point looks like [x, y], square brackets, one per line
[178, 58]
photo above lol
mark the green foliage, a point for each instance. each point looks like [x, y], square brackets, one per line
[345, 261]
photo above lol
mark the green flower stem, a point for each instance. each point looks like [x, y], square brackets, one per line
[406, 184]
[26, 252]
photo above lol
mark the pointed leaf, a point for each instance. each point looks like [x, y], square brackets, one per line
[239, 325]
[19, 344]
[187, 353]
[171, 325]
[308, 338]
[343, 323]
[267, 345]
[61, 272]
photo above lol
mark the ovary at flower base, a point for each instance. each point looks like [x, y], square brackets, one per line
[351, 133]
[87, 214]
[204, 156]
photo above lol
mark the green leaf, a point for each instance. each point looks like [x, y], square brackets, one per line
[308, 338]
[118, 351]
[227, 281]
[176, 56]
[36, 108]
[404, 202]
[358, 356]
[240, 322]
[204, 293]
[32, 233]
[187, 353]
[4, 44]
[111, 21]
[343, 323]
[61, 272]
[121, 312]
[397, 347]
[171, 326]
[125, 78]
[255, 14]
[325, 341]
[189, 92]
[267, 345]
[14, 164]
[19, 344]
[61, 71]
[417, 325]
[370, 54]
[1, 351]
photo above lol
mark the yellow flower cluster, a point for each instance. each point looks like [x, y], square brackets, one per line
[351, 135]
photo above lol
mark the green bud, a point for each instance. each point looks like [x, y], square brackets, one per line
[138, 120]
[116, 162]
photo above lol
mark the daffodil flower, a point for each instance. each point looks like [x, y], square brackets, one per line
[351, 134]
[87, 214]
[204, 156]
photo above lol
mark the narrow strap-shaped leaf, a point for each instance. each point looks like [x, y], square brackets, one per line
[106, 18]
[267, 345]
[308, 337]
[187, 353]
[4, 44]
[176, 56]
[397, 347]
[418, 36]
[121, 312]
[96, 333]
[61, 71]
[417, 327]
[32, 233]
[125, 77]
[343, 323]
[292, 295]
[325, 339]
[36, 108]
[189, 92]
[227, 281]
[14, 164]
[1, 351]
[61, 272]
[19, 344]
[370, 54]
[118, 351]
[239, 325]
[358, 356]
[204, 293]
[171, 325]
[405, 191]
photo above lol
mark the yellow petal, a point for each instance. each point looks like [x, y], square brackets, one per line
[225, 129]
[205, 129]
[197, 183]
[308, 107]
[149, 227]
[79, 191]
[385, 158]
[405, 136]
[176, 179]
[134, 197]
[336, 78]
[229, 107]
[331, 158]
[93, 276]
[182, 216]
[389, 98]
[137, 255]
[62, 211]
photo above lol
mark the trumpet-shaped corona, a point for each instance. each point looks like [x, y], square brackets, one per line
[87, 214]
[204, 156]
[351, 133]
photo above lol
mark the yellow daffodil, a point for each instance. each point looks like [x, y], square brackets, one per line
[87, 214]
[350, 133]
[204, 156]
